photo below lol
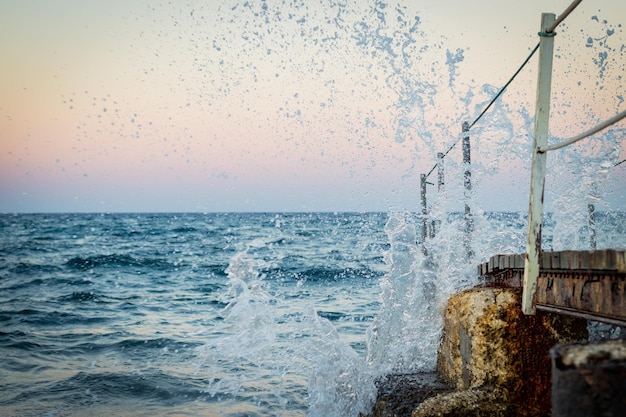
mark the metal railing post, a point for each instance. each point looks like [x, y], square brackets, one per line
[440, 172]
[434, 223]
[538, 169]
[592, 226]
[467, 182]
[424, 209]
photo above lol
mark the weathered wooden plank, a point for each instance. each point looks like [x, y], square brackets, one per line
[574, 259]
[604, 260]
[603, 295]
[492, 264]
[584, 262]
[621, 261]
[579, 283]
[569, 260]
[597, 259]
[610, 260]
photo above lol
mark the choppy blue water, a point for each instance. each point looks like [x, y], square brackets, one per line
[212, 314]
[113, 313]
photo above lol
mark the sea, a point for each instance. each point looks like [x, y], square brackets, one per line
[232, 314]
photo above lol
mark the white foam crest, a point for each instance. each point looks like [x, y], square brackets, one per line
[404, 334]
[340, 382]
[287, 341]
[246, 332]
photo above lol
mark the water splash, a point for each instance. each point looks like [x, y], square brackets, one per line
[283, 344]
[295, 340]
[601, 60]
[452, 61]
[286, 354]
[406, 328]
[339, 381]
[588, 166]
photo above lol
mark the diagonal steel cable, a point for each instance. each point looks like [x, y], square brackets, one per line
[548, 32]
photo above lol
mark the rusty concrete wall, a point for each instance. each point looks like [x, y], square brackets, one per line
[489, 345]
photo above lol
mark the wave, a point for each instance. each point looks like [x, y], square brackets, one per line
[158, 343]
[98, 387]
[61, 347]
[15, 365]
[218, 270]
[336, 316]
[18, 340]
[135, 348]
[79, 297]
[43, 318]
[18, 285]
[208, 288]
[121, 303]
[24, 268]
[184, 229]
[324, 274]
[116, 260]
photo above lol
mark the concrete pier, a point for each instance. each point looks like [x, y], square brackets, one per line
[497, 359]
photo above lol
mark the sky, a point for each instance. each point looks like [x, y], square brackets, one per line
[298, 105]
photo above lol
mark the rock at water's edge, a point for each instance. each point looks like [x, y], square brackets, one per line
[400, 394]
[495, 357]
[469, 403]
[488, 342]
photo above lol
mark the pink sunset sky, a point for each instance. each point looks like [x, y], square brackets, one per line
[296, 106]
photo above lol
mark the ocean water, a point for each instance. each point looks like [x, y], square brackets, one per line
[227, 314]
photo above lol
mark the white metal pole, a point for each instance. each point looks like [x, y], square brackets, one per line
[434, 223]
[538, 169]
[591, 209]
[467, 182]
[440, 171]
[424, 210]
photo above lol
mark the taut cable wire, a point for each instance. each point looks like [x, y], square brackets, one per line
[490, 103]
[505, 85]
[549, 31]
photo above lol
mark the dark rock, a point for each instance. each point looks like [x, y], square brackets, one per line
[494, 358]
[483, 402]
[400, 394]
